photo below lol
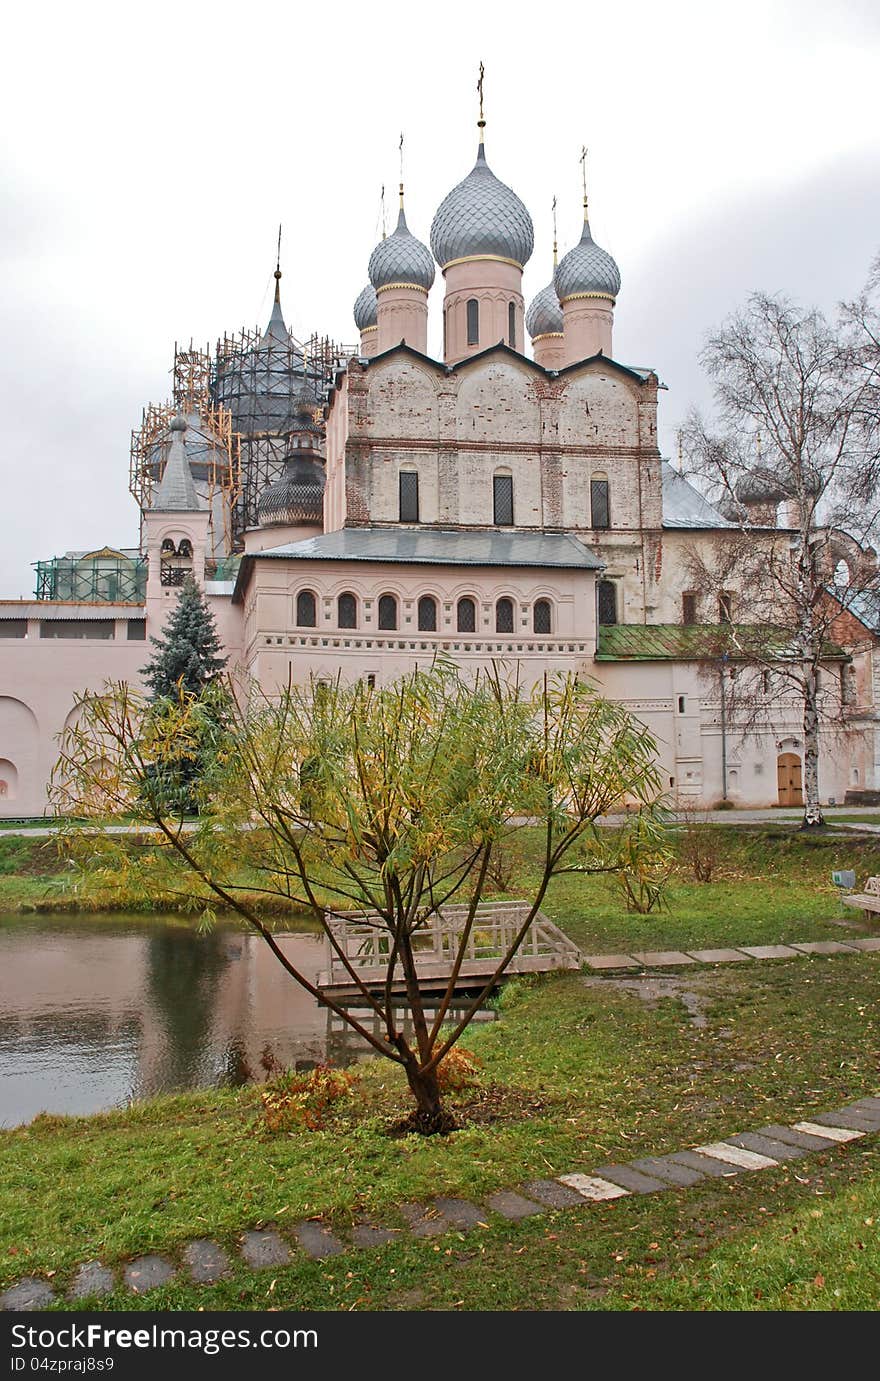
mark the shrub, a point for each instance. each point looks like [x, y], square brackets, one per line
[459, 1069]
[302, 1099]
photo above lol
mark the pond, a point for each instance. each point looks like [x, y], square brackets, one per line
[98, 1011]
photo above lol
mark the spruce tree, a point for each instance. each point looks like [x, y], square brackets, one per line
[186, 657]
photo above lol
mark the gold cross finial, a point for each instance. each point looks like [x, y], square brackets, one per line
[382, 208]
[555, 247]
[400, 148]
[481, 123]
[583, 161]
[278, 269]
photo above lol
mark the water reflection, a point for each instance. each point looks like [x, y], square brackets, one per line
[96, 1012]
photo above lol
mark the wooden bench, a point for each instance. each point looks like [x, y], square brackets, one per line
[868, 901]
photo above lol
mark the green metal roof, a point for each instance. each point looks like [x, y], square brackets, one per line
[665, 642]
[439, 547]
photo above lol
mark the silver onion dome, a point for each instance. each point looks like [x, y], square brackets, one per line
[365, 308]
[401, 258]
[482, 215]
[297, 497]
[587, 269]
[544, 316]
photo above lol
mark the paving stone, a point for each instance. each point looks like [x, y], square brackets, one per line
[707, 1165]
[262, 1247]
[317, 1241]
[30, 1293]
[835, 1134]
[422, 1221]
[368, 1235]
[872, 943]
[662, 958]
[769, 951]
[92, 1278]
[746, 1160]
[207, 1261]
[512, 1206]
[767, 1146]
[823, 947]
[671, 1171]
[553, 1193]
[633, 1180]
[863, 1109]
[147, 1273]
[593, 1188]
[460, 1213]
[844, 1117]
[611, 961]
[871, 1103]
[788, 1136]
[718, 956]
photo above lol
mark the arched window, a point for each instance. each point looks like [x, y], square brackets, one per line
[466, 616]
[387, 613]
[409, 496]
[185, 549]
[306, 610]
[347, 610]
[607, 603]
[511, 325]
[504, 616]
[168, 547]
[502, 500]
[541, 616]
[600, 502]
[473, 321]
[427, 614]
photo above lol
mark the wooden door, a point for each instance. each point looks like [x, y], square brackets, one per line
[788, 779]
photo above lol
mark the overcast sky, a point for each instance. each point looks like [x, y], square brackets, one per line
[151, 152]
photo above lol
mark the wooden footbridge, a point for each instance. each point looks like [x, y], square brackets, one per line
[366, 944]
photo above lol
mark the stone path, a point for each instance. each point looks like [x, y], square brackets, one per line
[206, 1262]
[678, 958]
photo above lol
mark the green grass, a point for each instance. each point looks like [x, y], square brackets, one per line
[582, 1073]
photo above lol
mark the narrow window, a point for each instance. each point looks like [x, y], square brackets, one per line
[725, 607]
[504, 616]
[306, 610]
[607, 602]
[137, 630]
[409, 496]
[387, 613]
[473, 321]
[371, 680]
[511, 325]
[541, 616]
[467, 616]
[502, 494]
[600, 508]
[347, 610]
[427, 614]
[681, 704]
[689, 607]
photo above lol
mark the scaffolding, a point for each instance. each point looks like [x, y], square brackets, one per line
[101, 577]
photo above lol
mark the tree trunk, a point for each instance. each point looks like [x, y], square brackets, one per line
[429, 1117]
[813, 817]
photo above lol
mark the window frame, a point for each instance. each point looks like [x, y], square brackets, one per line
[459, 606]
[408, 479]
[497, 506]
[611, 587]
[383, 601]
[306, 594]
[600, 497]
[346, 594]
[542, 604]
[506, 600]
[472, 313]
[424, 602]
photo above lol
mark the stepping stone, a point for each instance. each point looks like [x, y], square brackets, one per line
[368, 1235]
[718, 956]
[869, 944]
[91, 1279]
[207, 1261]
[769, 951]
[668, 1170]
[734, 1155]
[593, 1188]
[553, 1193]
[767, 1146]
[633, 1180]
[610, 961]
[662, 958]
[844, 1117]
[147, 1273]
[512, 1206]
[422, 1221]
[460, 1213]
[872, 1104]
[836, 1134]
[863, 1109]
[262, 1247]
[707, 1165]
[823, 947]
[30, 1293]
[789, 1137]
[317, 1241]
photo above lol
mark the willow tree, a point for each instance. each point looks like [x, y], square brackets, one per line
[387, 802]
